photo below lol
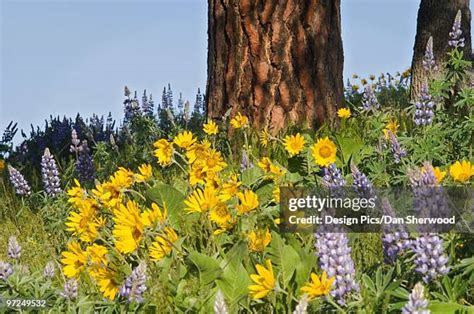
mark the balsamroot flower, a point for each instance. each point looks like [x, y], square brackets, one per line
[417, 303]
[184, 139]
[318, 286]
[248, 202]
[50, 174]
[344, 113]
[210, 128]
[70, 289]
[424, 107]
[324, 152]
[259, 240]
[135, 285]
[264, 281]
[429, 63]
[369, 101]
[239, 121]
[163, 151]
[335, 259]
[49, 270]
[461, 171]
[397, 151]
[6, 270]
[21, 185]
[455, 36]
[294, 144]
[430, 260]
[14, 248]
[85, 165]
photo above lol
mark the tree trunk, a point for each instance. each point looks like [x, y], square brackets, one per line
[277, 61]
[435, 18]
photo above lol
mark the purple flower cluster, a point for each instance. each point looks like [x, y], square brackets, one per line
[369, 101]
[429, 63]
[49, 270]
[74, 148]
[6, 270]
[417, 303]
[19, 182]
[50, 174]
[332, 177]
[394, 243]
[397, 151]
[70, 289]
[135, 285]
[245, 163]
[430, 260]
[84, 164]
[455, 36]
[14, 248]
[424, 107]
[361, 184]
[335, 259]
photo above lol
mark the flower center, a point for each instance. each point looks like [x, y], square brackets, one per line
[325, 152]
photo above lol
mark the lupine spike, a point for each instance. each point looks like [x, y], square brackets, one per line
[361, 183]
[369, 100]
[429, 63]
[417, 303]
[302, 306]
[70, 289]
[21, 185]
[50, 174]
[397, 151]
[219, 303]
[395, 239]
[424, 107]
[456, 39]
[84, 164]
[135, 285]
[14, 248]
[6, 270]
[49, 270]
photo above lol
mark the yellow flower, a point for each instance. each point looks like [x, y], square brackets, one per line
[106, 280]
[213, 161]
[146, 172]
[210, 128]
[154, 216]
[265, 164]
[239, 121]
[184, 139]
[264, 137]
[391, 126]
[197, 151]
[294, 144]
[229, 189]
[276, 194]
[264, 281]
[324, 152]
[162, 245]
[220, 214]
[74, 260]
[97, 254]
[196, 174]
[163, 151]
[259, 240]
[110, 193]
[439, 174]
[129, 227]
[201, 200]
[2, 164]
[248, 201]
[461, 171]
[344, 113]
[318, 286]
[85, 223]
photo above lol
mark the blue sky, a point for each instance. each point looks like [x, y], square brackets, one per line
[66, 56]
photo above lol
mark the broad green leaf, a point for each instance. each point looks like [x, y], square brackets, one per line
[166, 194]
[209, 269]
[251, 176]
[234, 283]
[283, 256]
[445, 308]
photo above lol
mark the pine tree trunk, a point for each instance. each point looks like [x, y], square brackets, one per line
[277, 61]
[435, 18]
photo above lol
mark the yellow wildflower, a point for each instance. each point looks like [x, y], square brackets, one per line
[162, 245]
[264, 281]
[239, 121]
[197, 151]
[201, 200]
[163, 151]
[129, 227]
[264, 137]
[391, 126]
[229, 189]
[439, 174]
[146, 172]
[210, 128]
[220, 214]
[259, 240]
[184, 139]
[294, 144]
[74, 260]
[344, 113]
[248, 201]
[154, 216]
[318, 286]
[324, 152]
[461, 171]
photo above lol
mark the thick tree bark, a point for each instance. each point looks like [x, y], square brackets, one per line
[435, 18]
[277, 61]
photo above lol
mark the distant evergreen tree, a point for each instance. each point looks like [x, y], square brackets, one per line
[166, 110]
[147, 106]
[198, 115]
[169, 96]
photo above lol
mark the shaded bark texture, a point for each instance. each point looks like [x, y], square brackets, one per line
[435, 18]
[277, 61]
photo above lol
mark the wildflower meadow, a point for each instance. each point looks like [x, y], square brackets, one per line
[169, 211]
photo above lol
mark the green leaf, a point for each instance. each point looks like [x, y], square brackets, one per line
[251, 176]
[166, 194]
[234, 283]
[284, 256]
[209, 269]
[446, 307]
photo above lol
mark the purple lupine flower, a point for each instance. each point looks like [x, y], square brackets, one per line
[332, 247]
[456, 39]
[424, 107]
[74, 148]
[429, 63]
[135, 285]
[50, 174]
[19, 182]
[417, 303]
[49, 270]
[245, 162]
[361, 184]
[14, 248]
[84, 164]
[70, 289]
[369, 101]
[335, 259]
[220, 307]
[397, 151]
[6, 270]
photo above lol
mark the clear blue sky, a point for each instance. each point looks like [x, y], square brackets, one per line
[68, 56]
